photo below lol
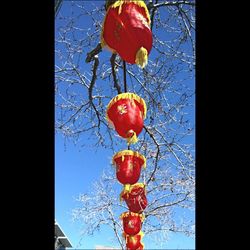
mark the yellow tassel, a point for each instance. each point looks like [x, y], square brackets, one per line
[133, 139]
[132, 239]
[141, 57]
[126, 188]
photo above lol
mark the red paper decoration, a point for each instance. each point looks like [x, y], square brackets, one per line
[135, 197]
[128, 166]
[126, 30]
[126, 113]
[132, 222]
[134, 242]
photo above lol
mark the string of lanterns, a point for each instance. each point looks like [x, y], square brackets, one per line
[126, 31]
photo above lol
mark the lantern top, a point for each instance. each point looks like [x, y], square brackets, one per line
[126, 214]
[137, 185]
[128, 95]
[131, 153]
[119, 4]
[128, 188]
[140, 3]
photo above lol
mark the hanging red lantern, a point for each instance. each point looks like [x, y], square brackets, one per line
[128, 166]
[126, 112]
[135, 197]
[126, 30]
[134, 242]
[141, 246]
[132, 222]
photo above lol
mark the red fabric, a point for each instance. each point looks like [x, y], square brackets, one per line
[126, 114]
[128, 171]
[133, 242]
[136, 200]
[127, 32]
[141, 247]
[132, 224]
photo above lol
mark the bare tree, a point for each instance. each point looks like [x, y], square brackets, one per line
[87, 77]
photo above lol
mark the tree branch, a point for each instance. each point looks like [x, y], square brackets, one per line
[92, 83]
[124, 75]
[73, 115]
[167, 205]
[91, 55]
[114, 228]
[173, 3]
[153, 13]
[157, 154]
[116, 84]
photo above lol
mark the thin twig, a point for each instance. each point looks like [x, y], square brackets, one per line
[157, 154]
[114, 228]
[167, 205]
[91, 55]
[72, 116]
[173, 3]
[116, 84]
[155, 6]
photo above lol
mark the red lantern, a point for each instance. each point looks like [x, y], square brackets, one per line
[128, 166]
[141, 246]
[126, 30]
[135, 197]
[132, 222]
[134, 242]
[126, 112]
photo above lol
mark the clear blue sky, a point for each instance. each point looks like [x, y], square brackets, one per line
[75, 170]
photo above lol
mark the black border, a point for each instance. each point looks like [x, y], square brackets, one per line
[216, 130]
[29, 101]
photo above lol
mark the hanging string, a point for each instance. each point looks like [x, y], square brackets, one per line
[125, 84]
[124, 75]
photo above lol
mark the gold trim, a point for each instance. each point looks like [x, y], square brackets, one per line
[129, 152]
[138, 184]
[127, 95]
[127, 187]
[132, 236]
[125, 214]
[140, 3]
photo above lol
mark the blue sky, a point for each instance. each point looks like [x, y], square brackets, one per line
[76, 169]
